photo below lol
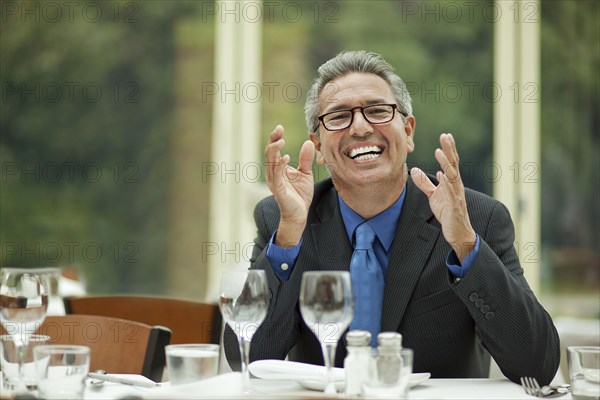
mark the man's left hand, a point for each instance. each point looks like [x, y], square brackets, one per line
[447, 199]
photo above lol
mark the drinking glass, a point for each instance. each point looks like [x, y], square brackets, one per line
[61, 371]
[327, 307]
[191, 362]
[23, 304]
[584, 371]
[243, 301]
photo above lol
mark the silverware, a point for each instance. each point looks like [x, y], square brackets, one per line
[123, 380]
[97, 382]
[532, 388]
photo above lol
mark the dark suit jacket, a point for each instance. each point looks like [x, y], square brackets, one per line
[447, 322]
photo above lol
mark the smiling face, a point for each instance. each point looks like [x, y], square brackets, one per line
[363, 155]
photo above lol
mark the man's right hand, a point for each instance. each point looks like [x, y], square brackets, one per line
[292, 187]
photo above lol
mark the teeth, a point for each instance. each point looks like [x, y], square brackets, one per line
[366, 157]
[367, 149]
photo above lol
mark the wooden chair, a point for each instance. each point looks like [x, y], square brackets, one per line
[189, 321]
[116, 345]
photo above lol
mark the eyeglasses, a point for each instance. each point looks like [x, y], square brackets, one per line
[374, 114]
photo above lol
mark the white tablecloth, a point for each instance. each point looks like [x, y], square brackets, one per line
[227, 386]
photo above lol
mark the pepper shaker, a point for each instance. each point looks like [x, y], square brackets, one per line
[389, 358]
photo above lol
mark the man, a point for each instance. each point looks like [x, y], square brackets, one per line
[450, 282]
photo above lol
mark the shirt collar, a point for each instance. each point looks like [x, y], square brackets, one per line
[384, 224]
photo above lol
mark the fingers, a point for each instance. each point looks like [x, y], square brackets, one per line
[277, 165]
[449, 146]
[275, 144]
[275, 162]
[307, 155]
[448, 158]
[421, 181]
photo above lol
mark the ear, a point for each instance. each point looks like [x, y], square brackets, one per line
[409, 129]
[317, 142]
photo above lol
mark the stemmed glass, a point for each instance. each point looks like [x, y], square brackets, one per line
[243, 301]
[23, 305]
[327, 307]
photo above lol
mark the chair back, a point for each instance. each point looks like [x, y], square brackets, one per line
[116, 345]
[189, 321]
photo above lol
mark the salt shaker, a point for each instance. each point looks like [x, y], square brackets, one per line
[356, 363]
[389, 358]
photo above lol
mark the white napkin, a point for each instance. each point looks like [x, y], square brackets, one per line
[278, 369]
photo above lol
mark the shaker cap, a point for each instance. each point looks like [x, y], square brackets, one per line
[358, 338]
[390, 340]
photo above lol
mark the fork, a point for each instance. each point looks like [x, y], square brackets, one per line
[532, 388]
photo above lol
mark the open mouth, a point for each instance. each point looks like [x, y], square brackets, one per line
[365, 153]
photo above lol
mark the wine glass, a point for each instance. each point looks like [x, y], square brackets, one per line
[327, 307]
[243, 301]
[23, 305]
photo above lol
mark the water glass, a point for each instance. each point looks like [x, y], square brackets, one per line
[243, 302]
[389, 379]
[327, 307]
[23, 305]
[61, 371]
[9, 361]
[191, 362]
[584, 371]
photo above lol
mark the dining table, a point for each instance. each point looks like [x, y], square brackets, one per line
[228, 386]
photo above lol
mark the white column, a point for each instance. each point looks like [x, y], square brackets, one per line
[235, 188]
[249, 143]
[529, 143]
[517, 125]
[505, 127]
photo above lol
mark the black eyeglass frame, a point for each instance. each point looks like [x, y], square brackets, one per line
[362, 111]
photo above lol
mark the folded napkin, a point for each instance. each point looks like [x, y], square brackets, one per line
[278, 369]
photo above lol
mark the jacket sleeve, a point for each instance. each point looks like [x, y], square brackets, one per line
[514, 327]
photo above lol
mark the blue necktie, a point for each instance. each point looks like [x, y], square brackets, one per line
[367, 283]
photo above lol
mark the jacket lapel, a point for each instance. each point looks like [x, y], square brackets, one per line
[329, 234]
[411, 248]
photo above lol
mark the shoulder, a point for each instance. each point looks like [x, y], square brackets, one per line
[486, 209]
[481, 201]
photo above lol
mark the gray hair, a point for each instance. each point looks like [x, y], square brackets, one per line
[354, 61]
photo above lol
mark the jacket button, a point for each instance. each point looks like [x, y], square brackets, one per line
[485, 309]
[479, 303]
[473, 297]
[489, 315]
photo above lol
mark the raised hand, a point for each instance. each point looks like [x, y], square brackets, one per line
[292, 187]
[447, 199]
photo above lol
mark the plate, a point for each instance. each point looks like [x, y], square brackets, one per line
[415, 379]
[418, 378]
[320, 385]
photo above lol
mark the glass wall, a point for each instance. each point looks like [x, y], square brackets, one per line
[570, 157]
[106, 120]
[98, 121]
